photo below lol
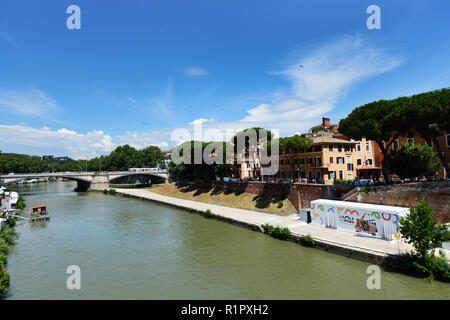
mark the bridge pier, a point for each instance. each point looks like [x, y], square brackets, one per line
[99, 182]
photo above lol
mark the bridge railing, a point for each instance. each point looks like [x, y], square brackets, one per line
[77, 173]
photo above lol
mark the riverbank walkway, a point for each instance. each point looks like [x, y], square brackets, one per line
[346, 240]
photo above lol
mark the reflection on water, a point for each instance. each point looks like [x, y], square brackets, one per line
[131, 249]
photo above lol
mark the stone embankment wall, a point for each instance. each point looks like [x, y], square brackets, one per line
[299, 194]
[408, 194]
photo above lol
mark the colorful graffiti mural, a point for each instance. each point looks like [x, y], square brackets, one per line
[381, 224]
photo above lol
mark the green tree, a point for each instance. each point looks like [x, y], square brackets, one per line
[419, 228]
[290, 146]
[414, 160]
[379, 121]
[428, 114]
[21, 203]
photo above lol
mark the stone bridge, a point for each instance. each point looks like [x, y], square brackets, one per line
[97, 181]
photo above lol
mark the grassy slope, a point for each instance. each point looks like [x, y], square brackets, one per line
[243, 200]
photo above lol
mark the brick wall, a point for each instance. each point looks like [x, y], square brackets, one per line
[407, 195]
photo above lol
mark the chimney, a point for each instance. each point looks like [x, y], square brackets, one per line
[326, 122]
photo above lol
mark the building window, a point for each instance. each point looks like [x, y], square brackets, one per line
[309, 161]
[281, 174]
[358, 162]
[410, 140]
[330, 147]
[310, 174]
[367, 146]
[340, 160]
[332, 175]
[341, 174]
[369, 162]
[395, 145]
[358, 147]
[339, 148]
[288, 161]
[349, 166]
[288, 174]
[447, 140]
[281, 162]
[318, 175]
[318, 162]
[331, 159]
[302, 161]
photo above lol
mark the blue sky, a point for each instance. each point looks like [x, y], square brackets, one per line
[138, 70]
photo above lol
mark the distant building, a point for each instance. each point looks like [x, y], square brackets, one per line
[332, 156]
[167, 157]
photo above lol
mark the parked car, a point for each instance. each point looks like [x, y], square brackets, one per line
[364, 182]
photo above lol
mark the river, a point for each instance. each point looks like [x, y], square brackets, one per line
[131, 249]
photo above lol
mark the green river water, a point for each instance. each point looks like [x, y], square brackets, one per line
[131, 249]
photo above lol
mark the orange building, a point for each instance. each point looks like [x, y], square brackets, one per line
[444, 144]
[332, 156]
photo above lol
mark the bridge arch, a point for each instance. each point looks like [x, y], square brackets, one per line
[137, 177]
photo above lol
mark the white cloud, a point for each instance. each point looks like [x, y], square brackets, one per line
[76, 145]
[30, 102]
[200, 121]
[196, 72]
[162, 106]
[319, 80]
[5, 35]
[141, 140]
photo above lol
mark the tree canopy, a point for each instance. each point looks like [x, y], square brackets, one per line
[413, 160]
[122, 158]
[427, 114]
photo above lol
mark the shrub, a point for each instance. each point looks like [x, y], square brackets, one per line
[112, 192]
[4, 279]
[277, 232]
[307, 241]
[3, 260]
[419, 228]
[11, 222]
[343, 182]
[9, 235]
[4, 247]
[432, 267]
[105, 191]
[20, 203]
[280, 204]
[208, 214]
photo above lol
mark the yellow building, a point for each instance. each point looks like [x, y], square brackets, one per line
[329, 159]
